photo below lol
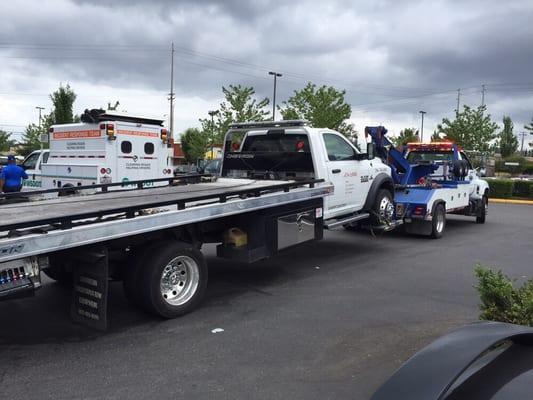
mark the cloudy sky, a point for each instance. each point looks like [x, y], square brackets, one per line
[393, 58]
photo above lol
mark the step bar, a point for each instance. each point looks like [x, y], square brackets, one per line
[336, 223]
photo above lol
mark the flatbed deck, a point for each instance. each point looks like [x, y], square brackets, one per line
[65, 210]
[201, 202]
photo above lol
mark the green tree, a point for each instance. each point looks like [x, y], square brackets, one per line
[63, 101]
[406, 136]
[239, 105]
[323, 107]
[436, 137]
[194, 143]
[507, 140]
[31, 139]
[472, 129]
[5, 141]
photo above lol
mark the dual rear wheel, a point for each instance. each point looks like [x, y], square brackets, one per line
[167, 279]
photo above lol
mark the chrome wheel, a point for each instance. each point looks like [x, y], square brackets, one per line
[386, 209]
[179, 280]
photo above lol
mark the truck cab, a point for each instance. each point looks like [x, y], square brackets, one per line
[292, 150]
[32, 164]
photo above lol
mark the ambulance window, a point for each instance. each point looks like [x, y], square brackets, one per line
[45, 157]
[125, 147]
[148, 148]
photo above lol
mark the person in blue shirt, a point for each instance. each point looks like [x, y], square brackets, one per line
[11, 176]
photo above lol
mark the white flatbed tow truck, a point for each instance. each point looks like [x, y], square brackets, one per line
[282, 183]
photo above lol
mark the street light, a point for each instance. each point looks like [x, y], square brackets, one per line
[422, 126]
[276, 76]
[212, 114]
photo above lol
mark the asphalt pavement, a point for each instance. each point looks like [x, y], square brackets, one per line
[327, 320]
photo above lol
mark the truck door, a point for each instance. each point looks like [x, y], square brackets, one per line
[343, 171]
[32, 166]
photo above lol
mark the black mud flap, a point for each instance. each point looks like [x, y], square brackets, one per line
[89, 300]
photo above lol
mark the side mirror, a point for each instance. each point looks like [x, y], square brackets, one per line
[370, 151]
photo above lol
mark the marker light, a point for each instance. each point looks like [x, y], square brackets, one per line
[164, 135]
[110, 131]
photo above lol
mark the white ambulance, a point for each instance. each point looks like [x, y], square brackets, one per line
[106, 147]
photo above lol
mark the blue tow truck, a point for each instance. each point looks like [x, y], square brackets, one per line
[431, 180]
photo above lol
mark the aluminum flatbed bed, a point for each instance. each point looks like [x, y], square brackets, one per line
[67, 209]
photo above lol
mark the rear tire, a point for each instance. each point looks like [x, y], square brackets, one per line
[480, 219]
[438, 221]
[172, 279]
[58, 270]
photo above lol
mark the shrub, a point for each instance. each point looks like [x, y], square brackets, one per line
[523, 189]
[524, 167]
[501, 188]
[501, 300]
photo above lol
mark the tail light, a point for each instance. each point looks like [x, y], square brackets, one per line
[164, 135]
[103, 170]
[419, 210]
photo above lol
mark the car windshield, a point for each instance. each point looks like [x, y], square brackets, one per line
[418, 156]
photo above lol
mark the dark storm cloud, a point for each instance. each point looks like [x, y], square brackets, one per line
[380, 52]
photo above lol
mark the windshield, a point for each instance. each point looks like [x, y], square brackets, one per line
[432, 156]
[31, 161]
[277, 143]
[212, 167]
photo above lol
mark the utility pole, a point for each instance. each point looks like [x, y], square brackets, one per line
[523, 135]
[422, 126]
[483, 89]
[458, 102]
[212, 114]
[40, 138]
[276, 75]
[171, 94]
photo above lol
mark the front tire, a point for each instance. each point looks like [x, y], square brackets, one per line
[438, 221]
[383, 208]
[173, 279]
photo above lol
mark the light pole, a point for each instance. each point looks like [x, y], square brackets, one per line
[212, 114]
[41, 139]
[276, 76]
[422, 126]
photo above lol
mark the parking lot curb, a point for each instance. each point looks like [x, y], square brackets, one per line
[511, 201]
